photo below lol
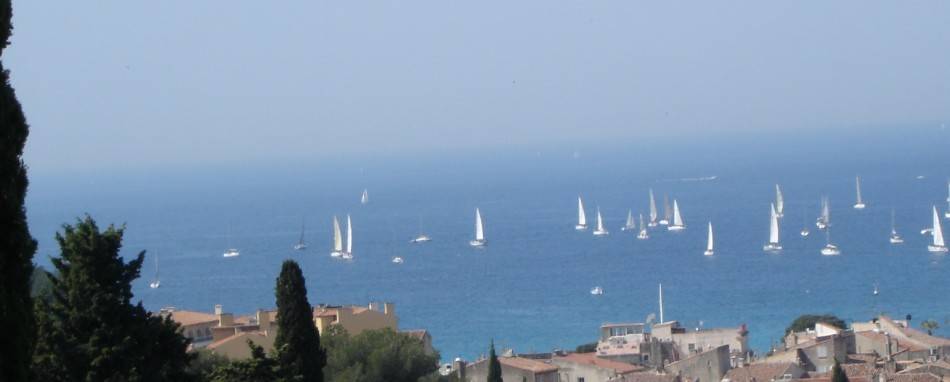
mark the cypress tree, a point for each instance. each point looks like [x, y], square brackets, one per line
[494, 367]
[89, 330]
[16, 244]
[298, 342]
[837, 374]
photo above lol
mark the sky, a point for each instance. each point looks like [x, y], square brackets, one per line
[126, 84]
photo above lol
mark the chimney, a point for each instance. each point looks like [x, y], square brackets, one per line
[218, 309]
[224, 319]
[459, 366]
[389, 308]
[263, 321]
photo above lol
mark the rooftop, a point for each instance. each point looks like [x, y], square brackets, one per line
[591, 359]
[531, 365]
[187, 317]
[760, 372]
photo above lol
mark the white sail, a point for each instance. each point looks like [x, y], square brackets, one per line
[779, 201]
[938, 231]
[677, 218]
[859, 203]
[365, 197]
[709, 242]
[773, 227]
[581, 215]
[600, 221]
[337, 237]
[479, 230]
[653, 214]
[349, 235]
[631, 224]
[643, 229]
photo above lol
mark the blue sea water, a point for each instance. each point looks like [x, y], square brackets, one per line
[529, 288]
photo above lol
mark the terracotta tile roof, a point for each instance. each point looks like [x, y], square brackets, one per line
[865, 358]
[914, 377]
[531, 365]
[760, 372]
[828, 379]
[187, 317]
[649, 377]
[863, 369]
[416, 333]
[235, 337]
[591, 359]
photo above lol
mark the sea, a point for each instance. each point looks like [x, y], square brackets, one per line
[529, 288]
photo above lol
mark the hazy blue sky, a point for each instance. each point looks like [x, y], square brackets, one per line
[134, 83]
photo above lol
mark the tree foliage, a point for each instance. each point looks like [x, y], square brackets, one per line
[375, 355]
[837, 374]
[586, 348]
[258, 368]
[494, 367]
[16, 245]
[89, 330]
[808, 321]
[298, 342]
[930, 326]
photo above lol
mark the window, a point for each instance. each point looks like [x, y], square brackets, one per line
[692, 348]
[580, 379]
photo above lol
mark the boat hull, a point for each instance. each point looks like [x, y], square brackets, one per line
[581, 227]
[477, 243]
[675, 228]
[708, 253]
[804, 233]
[860, 206]
[601, 233]
[896, 240]
[772, 247]
[830, 251]
[643, 236]
[937, 248]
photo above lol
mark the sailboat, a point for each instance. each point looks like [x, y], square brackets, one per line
[422, 237]
[597, 291]
[829, 249]
[600, 231]
[581, 216]
[938, 246]
[709, 242]
[348, 254]
[230, 252]
[859, 204]
[875, 291]
[895, 238]
[337, 250]
[365, 197]
[824, 221]
[779, 202]
[643, 235]
[677, 224]
[301, 245]
[666, 211]
[773, 244]
[653, 214]
[479, 231]
[631, 224]
[156, 282]
[804, 231]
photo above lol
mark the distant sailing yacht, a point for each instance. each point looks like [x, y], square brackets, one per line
[653, 214]
[859, 204]
[709, 242]
[156, 282]
[643, 235]
[824, 221]
[938, 245]
[230, 252]
[422, 237]
[677, 219]
[779, 202]
[667, 215]
[365, 197]
[301, 245]
[895, 238]
[600, 231]
[337, 250]
[631, 224]
[773, 244]
[581, 216]
[479, 231]
[946, 213]
[804, 231]
[348, 254]
[829, 249]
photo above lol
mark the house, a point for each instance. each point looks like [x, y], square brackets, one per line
[513, 369]
[766, 372]
[225, 334]
[196, 326]
[356, 319]
[708, 366]
[622, 342]
[699, 340]
[588, 367]
[816, 355]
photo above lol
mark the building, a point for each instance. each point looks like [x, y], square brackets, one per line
[766, 372]
[700, 340]
[513, 369]
[196, 326]
[622, 342]
[356, 319]
[587, 367]
[225, 334]
[708, 366]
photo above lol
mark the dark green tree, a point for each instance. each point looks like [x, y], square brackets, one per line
[376, 355]
[16, 244]
[837, 374]
[89, 330]
[586, 348]
[930, 325]
[494, 367]
[808, 321]
[258, 368]
[297, 343]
